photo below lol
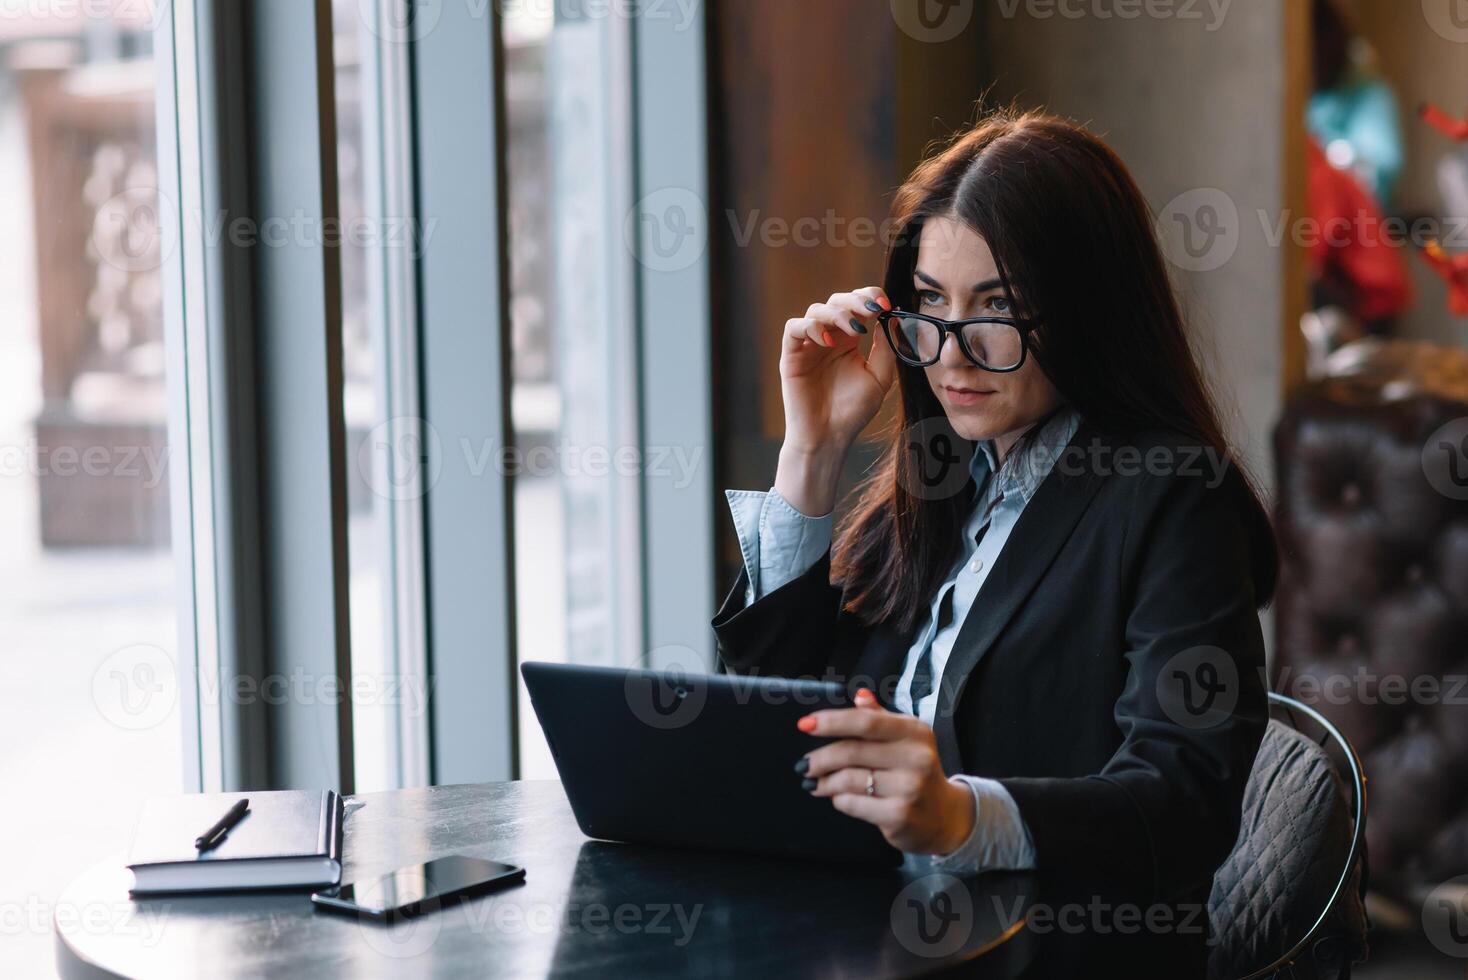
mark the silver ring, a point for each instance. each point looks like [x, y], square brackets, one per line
[871, 782]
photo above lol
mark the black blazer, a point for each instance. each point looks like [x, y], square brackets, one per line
[1074, 679]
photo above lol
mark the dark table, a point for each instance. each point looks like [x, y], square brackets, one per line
[587, 908]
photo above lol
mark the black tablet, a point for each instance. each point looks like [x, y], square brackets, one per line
[695, 760]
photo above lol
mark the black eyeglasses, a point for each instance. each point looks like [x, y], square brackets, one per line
[994, 343]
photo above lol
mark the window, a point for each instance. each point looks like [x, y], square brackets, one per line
[575, 460]
[385, 457]
[91, 705]
[185, 446]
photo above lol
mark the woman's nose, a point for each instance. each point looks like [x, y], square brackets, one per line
[950, 354]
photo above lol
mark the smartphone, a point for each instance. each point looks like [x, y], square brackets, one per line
[419, 888]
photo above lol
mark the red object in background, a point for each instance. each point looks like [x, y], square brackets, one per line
[1352, 253]
[1454, 271]
[1456, 129]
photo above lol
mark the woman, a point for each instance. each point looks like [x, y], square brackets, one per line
[1057, 652]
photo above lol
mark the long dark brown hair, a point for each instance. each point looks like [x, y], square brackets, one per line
[1075, 246]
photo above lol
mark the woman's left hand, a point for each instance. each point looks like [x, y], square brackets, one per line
[914, 805]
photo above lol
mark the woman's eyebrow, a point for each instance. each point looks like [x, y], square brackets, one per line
[982, 287]
[928, 279]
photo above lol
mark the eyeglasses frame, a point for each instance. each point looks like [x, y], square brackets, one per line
[955, 327]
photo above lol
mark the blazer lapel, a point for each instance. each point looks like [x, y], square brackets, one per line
[1038, 536]
[881, 661]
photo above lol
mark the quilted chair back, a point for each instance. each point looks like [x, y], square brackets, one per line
[1287, 901]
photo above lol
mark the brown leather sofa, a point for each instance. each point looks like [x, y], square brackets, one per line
[1372, 611]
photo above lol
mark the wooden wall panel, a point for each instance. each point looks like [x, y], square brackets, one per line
[818, 110]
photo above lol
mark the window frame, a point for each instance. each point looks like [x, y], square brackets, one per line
[255, 335]
[676, 385]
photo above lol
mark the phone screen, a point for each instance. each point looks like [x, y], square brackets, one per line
[415, 888]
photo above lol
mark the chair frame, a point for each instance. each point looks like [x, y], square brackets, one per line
[1358, 837]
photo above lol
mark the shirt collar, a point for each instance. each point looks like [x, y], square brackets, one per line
[1024, 470]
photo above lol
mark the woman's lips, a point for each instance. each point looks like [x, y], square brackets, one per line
[965, 396]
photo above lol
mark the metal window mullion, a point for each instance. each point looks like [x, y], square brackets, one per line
[388, 173]
[298, 350]
[189, 485]
[676, 383]
[232, 361]
[211, 380]
[625, 537]
[221, 326]
[459, 112]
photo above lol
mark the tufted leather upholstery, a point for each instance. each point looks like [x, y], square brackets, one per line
[1373, 599]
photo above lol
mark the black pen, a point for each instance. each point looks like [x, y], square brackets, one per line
[215, 834]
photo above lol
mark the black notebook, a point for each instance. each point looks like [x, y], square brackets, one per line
[289, 839]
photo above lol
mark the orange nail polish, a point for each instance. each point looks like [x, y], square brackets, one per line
[826, 336]
[806, 724]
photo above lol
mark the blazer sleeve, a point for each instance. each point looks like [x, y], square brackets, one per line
[789, 632]
[1158, 820]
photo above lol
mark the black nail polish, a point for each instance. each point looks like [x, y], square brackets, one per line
[857, 326]
[802, 764]
[808, 784]
[874, 306]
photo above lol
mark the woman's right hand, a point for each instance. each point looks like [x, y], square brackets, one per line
[830, 392]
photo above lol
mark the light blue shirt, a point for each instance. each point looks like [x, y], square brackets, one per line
[779, 544]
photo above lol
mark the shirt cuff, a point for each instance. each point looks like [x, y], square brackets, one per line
[778, 542]
[1000, 841]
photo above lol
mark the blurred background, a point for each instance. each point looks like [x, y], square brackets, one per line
[1307, 163]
